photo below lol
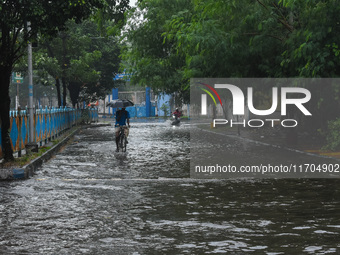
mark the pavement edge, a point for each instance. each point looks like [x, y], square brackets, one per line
[28, 170]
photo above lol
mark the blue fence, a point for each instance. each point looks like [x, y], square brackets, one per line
[48, 124]
[140, 111]
[145, 109]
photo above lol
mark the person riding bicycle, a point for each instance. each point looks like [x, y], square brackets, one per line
[122, 117]
[177, 113]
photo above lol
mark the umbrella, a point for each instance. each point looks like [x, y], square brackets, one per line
[120, 103]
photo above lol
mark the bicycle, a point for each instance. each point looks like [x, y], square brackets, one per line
[122, 139]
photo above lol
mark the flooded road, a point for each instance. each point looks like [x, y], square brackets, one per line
[91, 200]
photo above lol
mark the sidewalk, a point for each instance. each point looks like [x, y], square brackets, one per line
[15, 170]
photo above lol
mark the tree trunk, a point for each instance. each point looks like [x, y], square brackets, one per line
[74, 90]
[57, 80]
[63, 80]
[57, 84]
[5, 78]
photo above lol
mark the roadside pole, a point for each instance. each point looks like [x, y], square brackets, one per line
[17, 98]
[30, 88]
[31, 146]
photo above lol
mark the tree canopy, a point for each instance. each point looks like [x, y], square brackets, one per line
[82, 59]
[153, 60]
[87, 54]
[169, 42]
[216, 38]
[46, 18]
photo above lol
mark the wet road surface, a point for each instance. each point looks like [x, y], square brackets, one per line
[90, 200]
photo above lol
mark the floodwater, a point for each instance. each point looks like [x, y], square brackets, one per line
[89, 199]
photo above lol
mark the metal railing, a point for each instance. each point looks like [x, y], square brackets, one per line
[48, 124]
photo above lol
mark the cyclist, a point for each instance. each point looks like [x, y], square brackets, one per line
[122, 117]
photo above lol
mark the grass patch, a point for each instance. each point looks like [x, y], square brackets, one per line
[25, 159]
[20, 162]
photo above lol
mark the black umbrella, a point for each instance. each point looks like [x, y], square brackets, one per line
[120, 103]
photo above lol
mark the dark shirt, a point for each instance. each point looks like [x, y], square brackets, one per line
[121, 117]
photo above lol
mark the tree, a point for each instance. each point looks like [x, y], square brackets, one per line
[264, 38]
[69, 59]
[153, 61]
[82, 73]
[80, 68]
[86, 61]
[106, 64]
[46, 18]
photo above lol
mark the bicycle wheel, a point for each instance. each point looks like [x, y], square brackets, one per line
[122, 143]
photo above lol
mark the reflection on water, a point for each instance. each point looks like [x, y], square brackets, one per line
[91, 200]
